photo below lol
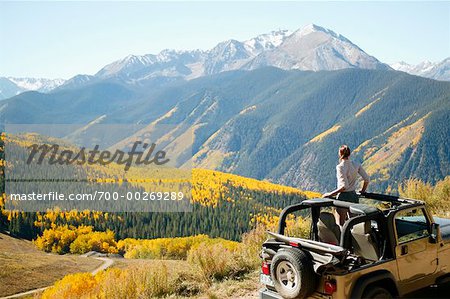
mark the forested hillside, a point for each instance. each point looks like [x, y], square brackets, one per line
[223, 205]
[284, 126]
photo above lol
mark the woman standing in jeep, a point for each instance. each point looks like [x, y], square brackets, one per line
[347, 173]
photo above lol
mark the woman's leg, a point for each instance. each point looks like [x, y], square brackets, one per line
[342, 215]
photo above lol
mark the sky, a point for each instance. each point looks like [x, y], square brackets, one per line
[63, 39]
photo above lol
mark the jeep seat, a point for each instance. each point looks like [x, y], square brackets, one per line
[329, 232]
[363, 242]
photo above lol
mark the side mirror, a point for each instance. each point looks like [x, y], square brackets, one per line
[435, 232]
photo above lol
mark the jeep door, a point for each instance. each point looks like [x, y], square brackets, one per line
[416, 255]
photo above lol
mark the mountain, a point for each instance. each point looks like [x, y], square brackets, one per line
[268, 123]
[266, 41]
[310, 48]
[10, 86]
[274, 107]
[77, 81]
[233, 55]
[316, 48]
[37, 84]
[286, 126]
[224, 205]
[65, 106]
[168, 63]
[428, 69]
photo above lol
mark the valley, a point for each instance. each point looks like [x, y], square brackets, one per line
[24, 267]
[273, 107]
[251, 126]
[268, 123]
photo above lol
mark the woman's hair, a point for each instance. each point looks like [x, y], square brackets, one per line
[344, 152]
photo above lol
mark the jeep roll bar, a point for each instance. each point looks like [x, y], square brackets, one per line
[317, 203]
[314, 204]
[319, 247]
[362, 213]
[389, 198]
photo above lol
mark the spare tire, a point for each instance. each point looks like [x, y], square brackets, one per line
[293, 274]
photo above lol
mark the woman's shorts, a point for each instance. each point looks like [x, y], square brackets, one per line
[350, 196]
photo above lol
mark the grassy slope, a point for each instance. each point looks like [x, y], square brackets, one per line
[23, 267]
[245, 288]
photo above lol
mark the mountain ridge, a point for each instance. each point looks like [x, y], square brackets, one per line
[274, 124]
[12, 86]
[311, 47]
[433, 70]
[250, 54]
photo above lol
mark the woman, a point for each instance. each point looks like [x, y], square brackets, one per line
[347, 177]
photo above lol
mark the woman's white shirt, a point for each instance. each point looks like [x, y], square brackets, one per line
[347, 175]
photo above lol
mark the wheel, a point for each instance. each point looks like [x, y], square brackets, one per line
[377, 293]
[293, 274]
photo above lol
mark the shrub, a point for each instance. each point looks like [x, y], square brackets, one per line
[59, 238]
[80, 285]
[437, 197]
[250, 248]
[166, 248]
[213, 261]
[298, 226]
[209, 259]
[139, 282]
[187, 284]
[153, 282]
[64, 239]
[94, 241]
[115, 284]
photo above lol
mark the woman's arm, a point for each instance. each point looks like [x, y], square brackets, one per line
[364, 188]
[334, 192]
[365, 177]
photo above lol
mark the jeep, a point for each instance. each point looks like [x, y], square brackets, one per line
[387, 247]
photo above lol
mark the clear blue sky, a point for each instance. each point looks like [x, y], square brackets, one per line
[62, 39]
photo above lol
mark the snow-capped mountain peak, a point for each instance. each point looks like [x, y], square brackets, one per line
[38, 84]
[401, 66]
[137, 59]
[434, 70]
[77, 81]
[125, 65]
[316, 48]
[310, 28]
[309, 48]
[313, 28]
[168, 54]
[12, 86]
[267, 41]
[426, 66]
